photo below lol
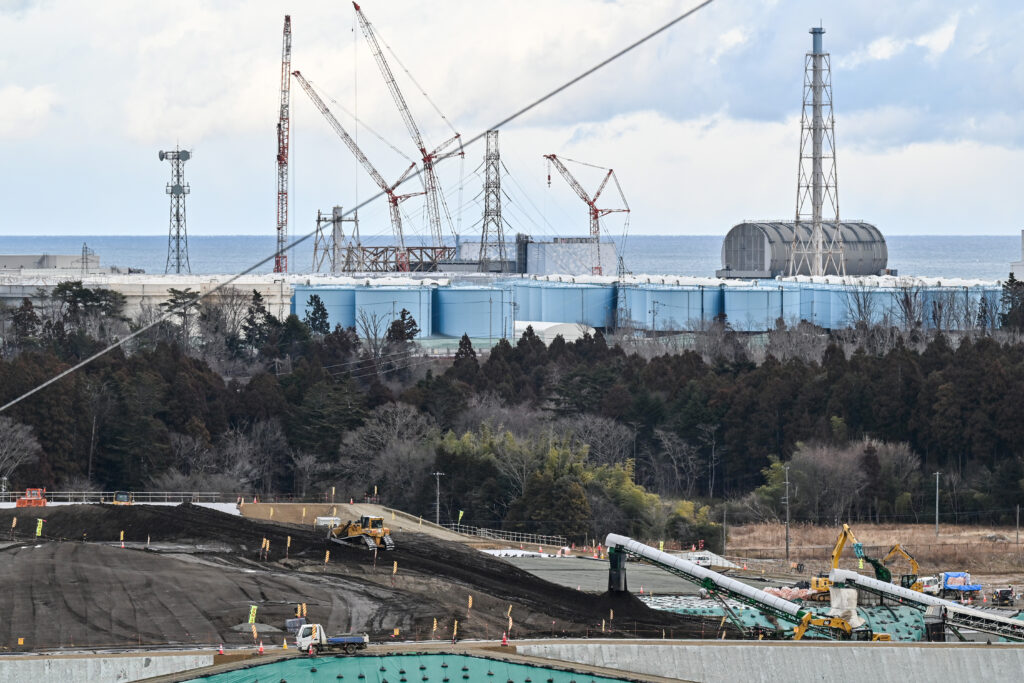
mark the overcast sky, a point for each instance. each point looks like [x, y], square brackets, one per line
[701, 124]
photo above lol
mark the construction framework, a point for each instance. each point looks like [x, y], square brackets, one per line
[817, 249]
[283, 130]
[177, 235]
[343, 255]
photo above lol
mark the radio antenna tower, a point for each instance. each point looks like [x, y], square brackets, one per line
[283, 123]
[817, 246]
[492, 239]
[177, 238]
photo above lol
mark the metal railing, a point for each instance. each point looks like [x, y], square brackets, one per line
[138, 497]
[513, 536]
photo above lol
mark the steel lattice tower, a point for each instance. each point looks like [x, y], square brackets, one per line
[177, 238]
[817, 246]
[283, 131]
[492, 235]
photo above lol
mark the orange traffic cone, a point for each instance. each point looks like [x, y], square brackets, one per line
[261, 647]
[285, 645]
[641, 590]
[310, 650]
[122, 545]
[504, 638]
[221, 650]
[540, 549]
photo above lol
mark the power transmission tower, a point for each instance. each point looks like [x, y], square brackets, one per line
[283, 129]
[177, 238]
[342, 255]
[492, 236]
[817, 247]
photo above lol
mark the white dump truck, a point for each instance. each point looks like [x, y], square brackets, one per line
[314, 635]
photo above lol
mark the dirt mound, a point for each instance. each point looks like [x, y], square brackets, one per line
[96, 594]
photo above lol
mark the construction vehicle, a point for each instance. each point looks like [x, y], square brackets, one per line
[122, 498]
[1004, 597]
[958, 586]
[821, 584]
[314, 636]
[33, 498]
[366, 532]
[912, 580]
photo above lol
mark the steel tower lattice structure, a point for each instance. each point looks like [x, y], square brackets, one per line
[283, 132]
[177, 238]
[492, 234]
[817, 248]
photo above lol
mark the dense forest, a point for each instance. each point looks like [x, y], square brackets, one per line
[577, 438]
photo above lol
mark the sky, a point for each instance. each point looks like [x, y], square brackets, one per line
[701, 124]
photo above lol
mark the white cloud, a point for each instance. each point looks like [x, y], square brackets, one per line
[728, 41]
[935, 43]
[23, 111]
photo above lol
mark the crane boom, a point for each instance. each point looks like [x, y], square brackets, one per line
[389, 190]
[591, 202]
[431, 184]
[283, 126]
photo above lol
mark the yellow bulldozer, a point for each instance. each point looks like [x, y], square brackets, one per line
[366, 532]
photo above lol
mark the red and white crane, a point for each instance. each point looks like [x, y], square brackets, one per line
[388, 189]
[593, 210]
[430, 159]
[281, 257]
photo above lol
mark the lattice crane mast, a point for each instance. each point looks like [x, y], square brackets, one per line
[389, 190]
[283, 124]
[593, 210]
[430, 159]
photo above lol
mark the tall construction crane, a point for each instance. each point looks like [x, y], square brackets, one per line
[430, 159]
[281, 258]
[595, 213]
[389, 190]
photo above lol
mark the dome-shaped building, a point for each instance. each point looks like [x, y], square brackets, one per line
[757, 250]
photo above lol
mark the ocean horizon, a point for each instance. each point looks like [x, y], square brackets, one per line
[983, 257]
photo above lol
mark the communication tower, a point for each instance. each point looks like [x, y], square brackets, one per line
[177, 238]
[492, 239]
[817, 246]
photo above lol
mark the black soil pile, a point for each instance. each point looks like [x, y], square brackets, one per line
[101, 595]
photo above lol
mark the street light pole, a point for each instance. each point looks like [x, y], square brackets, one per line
[437, 497]
[937, 504]
[786, 500]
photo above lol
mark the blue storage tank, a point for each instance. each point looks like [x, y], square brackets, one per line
[388, 302]
[682, 307]
[592, 305]
[340, 303]
[527, 295]
[476, 311]
[634, 306]
[754, 308]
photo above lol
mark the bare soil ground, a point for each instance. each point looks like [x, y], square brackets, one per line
[75, 587]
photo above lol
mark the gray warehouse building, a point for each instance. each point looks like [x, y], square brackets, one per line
[762, 249]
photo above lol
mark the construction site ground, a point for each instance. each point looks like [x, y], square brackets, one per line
[189, 576]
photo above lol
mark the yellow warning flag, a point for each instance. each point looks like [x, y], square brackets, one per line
[332, 493]
[611, 615]
[21, 641]
[455, 629]
[860, 563]
[394, 569]
[122, 535]
[39, 526]
[327, 556]
[14, 522]
[602, 626]
[461, 512]
[303, 514]
[252, 614]
[470, 602]
[435, 623]
[288, 543]
[396, 633]
[661, 546]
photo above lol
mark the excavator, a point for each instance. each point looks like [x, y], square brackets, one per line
[366, 532]
[821, 584]
[910, 581]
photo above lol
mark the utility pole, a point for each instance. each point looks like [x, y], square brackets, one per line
[937, 504]
[437, 498]
[724, 535]
[786, 501]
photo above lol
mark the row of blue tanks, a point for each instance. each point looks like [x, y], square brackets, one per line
[492, 310]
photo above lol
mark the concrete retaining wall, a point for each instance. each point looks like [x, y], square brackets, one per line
[726, 662]
[92, 669]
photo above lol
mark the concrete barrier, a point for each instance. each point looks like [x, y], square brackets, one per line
[97, 669]
[722, 662]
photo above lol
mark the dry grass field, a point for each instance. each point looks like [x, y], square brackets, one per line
[985, 551]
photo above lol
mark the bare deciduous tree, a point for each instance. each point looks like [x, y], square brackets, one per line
[373, 335]
[609, 441]
[18, 446]
[683, 460]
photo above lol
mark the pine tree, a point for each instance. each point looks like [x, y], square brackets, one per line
[1012, 304]
[316, 316]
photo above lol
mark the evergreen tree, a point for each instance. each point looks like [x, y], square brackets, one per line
[316, 316]
[1012, 304]
[403, 328]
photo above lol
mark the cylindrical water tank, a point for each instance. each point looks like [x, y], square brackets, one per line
[340, 303]
[380, 305]
[763, 249]
[480, 312]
